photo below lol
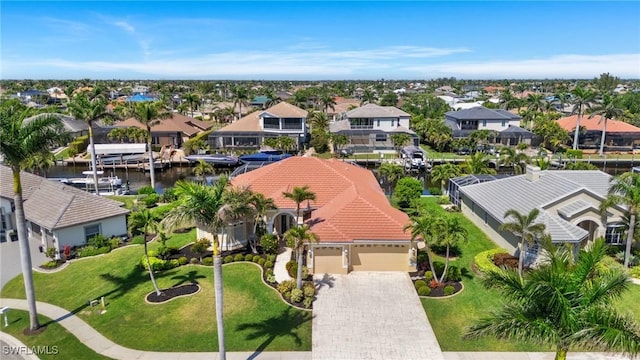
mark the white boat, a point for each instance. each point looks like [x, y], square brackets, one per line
[415, 159]
[107, 185]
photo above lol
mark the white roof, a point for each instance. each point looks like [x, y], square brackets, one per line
[111, 149]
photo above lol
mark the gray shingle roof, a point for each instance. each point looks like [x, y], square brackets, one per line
[575, 208]
[560, 229]
[376, 111]
[482, 113]
[54, 206]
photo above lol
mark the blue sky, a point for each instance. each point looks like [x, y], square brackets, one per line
[318, 40]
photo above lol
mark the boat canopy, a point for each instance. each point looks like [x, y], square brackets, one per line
[116, 149]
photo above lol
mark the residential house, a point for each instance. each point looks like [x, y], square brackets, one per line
[569, 204]
[370, 127]
[260, 102]
[173, 131]
[249, 132]
[619, 134]
[342, 106]
[463, 122]
[57, 215]
[358, 229]
[140, 89]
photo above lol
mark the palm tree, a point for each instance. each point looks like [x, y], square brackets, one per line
[368, 97]
[20, 139]
[478, 163]
[240, 95]
[581, 101]
[40, 163]
[327, 101]
[452, 234]
[90, 111]
[296, 238]
[191, 99]
[261, 205]
[399, 140]
[392, 173]
[298, 195]
[508, 100]
[319, 121]
[565, 302]
[525, 227]
[607, 109]
[237, 206]
[625, 190]
[339, 141]
[535, 103]
[443, 173]
[200, 205]
[149, 114]
[203, 168]
[509, 157]
[142, 221]
[427, 227]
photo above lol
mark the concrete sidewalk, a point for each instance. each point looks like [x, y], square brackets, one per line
[103, 346]
[280, 266]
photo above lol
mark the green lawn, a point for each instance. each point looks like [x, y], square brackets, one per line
[62, 155]
[126, 199]
[55, 342]
[255, 317]
[449, 317]
[436, 155]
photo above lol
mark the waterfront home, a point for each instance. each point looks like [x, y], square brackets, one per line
[569, 204]
[619, 134]
[463, 122]
[249, 132]
[358, 229]
[56, 215]
[172, 131]
[370, 127]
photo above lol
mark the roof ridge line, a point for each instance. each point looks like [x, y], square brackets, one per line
[73, 196]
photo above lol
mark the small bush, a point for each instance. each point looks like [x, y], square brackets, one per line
[51, 253]
[238, 257]
[208, 261]
[256, 258]
[227, 259]
[307, 302]
[151, 200]
[271, 278]
[297, 295]
[309, 291]
[271, 258]
[50, 264]
[248, 257]
[454, 273]
[200, 246]
[90, 250]
[261, 261]
[449, 290]
[434, 283]
[428, 276]
[156, 264]
[174, 263]
[442, 200]
[574, 153]
[305, 272]
[182, 260]
[269, 243]
[424, 291]
[286, 286]
[98, 241]
[407, 190]
[139, 240]
[193, 261]
[484, 260]
[268, 264]
[292, 268]
[115, 243]
[146, 190]
[420, 283]
[506, 260]
[635, 272]
[169, 195]
[436, 191]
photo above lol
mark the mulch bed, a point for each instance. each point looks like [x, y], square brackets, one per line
[439, 291]
[171, 293]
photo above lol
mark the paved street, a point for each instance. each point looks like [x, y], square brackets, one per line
[371, 315]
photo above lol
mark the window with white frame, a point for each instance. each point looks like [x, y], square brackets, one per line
[91, 231]
[614, 234]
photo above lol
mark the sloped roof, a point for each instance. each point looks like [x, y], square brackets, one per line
[251, 122]
[54, 206]
[285, 110]
[176, 123]
[523, 195]
[376, 111]
[575, 208]
[593, 124]
[482, 113]
[350, 204]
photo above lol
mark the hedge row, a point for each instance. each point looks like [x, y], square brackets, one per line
[484, 260]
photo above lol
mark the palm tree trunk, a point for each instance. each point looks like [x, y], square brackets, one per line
[577, 132]
[152, 172]
[521, 257]
[25, 252]
[428, 249]
[632, 226]
[446, 265]
[146, 254]
[217, 280]
[94, 165]
[299, 271]
[604, 133]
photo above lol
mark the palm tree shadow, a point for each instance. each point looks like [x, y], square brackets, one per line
[128, 282]
[284, 324]
[326, 280]
[191, 277]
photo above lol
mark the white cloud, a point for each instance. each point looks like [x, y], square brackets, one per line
[125, 26]
[560, 66]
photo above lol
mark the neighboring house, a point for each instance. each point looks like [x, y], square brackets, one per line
[342, 106]
[57, 215]
[358, 229]
[249, 132]
[172, 131]
[370, 127]
[140, 89]
[463, 122]
[260, 102]
[569, 204]
[619, 134]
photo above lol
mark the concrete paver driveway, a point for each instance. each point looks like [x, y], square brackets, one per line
[371, 315]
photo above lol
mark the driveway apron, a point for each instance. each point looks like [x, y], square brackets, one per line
[371, 315]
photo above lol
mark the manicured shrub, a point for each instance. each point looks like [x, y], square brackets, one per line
[271, 258]
[115, 243]
[193, 261]
[484, 260]
[577, 153]
[435, 191]
[424, 291]
[261, 261]
[90, 250]
[269, 243]
[227, 259]
[420, 283]
[238, 257]
[182, 260]
[428, 276]
[248, 257]
[208, 261]
[256, 258]
[407, 191]
[635, 272]
[434, 283]
[454, 273]
[156, 264]
[441, 200]
[51, 253]
[309, 291]
[305, 272]
[286, 286]
[168, 195]
[268, 264]
[292, 268]
[449, 290]
[297, 295]
[151, 200]
[50, 264]
[146, 190]
[99, 241]
[174, 263]
[201, 246]
[307, 302]
[271, 278]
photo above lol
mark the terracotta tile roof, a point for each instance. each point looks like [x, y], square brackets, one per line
[251, 122]
[350, 204]
[569, 123]
[177, 123]
[54, 206]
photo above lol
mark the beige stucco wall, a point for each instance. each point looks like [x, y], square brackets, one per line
[379, 257]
